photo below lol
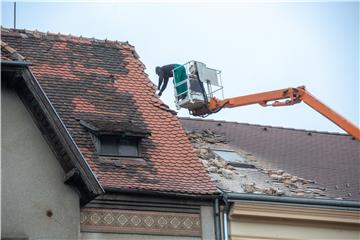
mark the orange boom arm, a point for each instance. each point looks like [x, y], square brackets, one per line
[290, 96]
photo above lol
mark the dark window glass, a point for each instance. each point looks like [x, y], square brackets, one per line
[119, 146]
[108, 145]
[128, 148]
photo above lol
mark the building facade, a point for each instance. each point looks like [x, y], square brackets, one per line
[86, 146]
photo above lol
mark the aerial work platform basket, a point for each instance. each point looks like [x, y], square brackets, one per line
[195, 84]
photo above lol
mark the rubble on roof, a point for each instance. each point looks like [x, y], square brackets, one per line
[205, 135]
[258, 180]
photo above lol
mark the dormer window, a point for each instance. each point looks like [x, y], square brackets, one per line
[119, 146]
[117, 140]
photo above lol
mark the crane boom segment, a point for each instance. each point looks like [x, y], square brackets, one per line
[201, 100]
[330, 114]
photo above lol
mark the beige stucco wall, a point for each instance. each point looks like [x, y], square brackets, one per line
[292, 222]
[32, 180]
[270, 229]
[207, 222]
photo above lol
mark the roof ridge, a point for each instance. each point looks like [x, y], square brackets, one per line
[24, 33]
[269, 126]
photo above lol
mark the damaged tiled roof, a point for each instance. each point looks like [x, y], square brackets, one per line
[94, 81]
[288, 161]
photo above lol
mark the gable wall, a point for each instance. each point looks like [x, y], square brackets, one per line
[32, 180]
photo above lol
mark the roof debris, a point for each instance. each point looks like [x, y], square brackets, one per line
[331, 159]
[205, 136]
[258, 180]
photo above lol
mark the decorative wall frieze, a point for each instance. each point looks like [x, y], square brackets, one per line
[143, 222]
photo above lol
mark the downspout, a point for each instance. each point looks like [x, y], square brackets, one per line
[217, 219]
[225, 217]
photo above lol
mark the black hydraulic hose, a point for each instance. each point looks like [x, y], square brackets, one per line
[217, 110]
[202, 88]
[204, 94]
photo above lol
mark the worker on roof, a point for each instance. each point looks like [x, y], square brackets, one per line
[168, 71]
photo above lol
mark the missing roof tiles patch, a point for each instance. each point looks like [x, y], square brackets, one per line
[233, 158]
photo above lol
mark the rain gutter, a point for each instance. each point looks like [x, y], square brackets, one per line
[231, 197]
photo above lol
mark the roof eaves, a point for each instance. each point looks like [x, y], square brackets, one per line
[212, 195]
[291, 200]
[87, 175]
[15, 63]
[79, 159]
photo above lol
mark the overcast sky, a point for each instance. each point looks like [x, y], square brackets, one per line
[257, 46]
